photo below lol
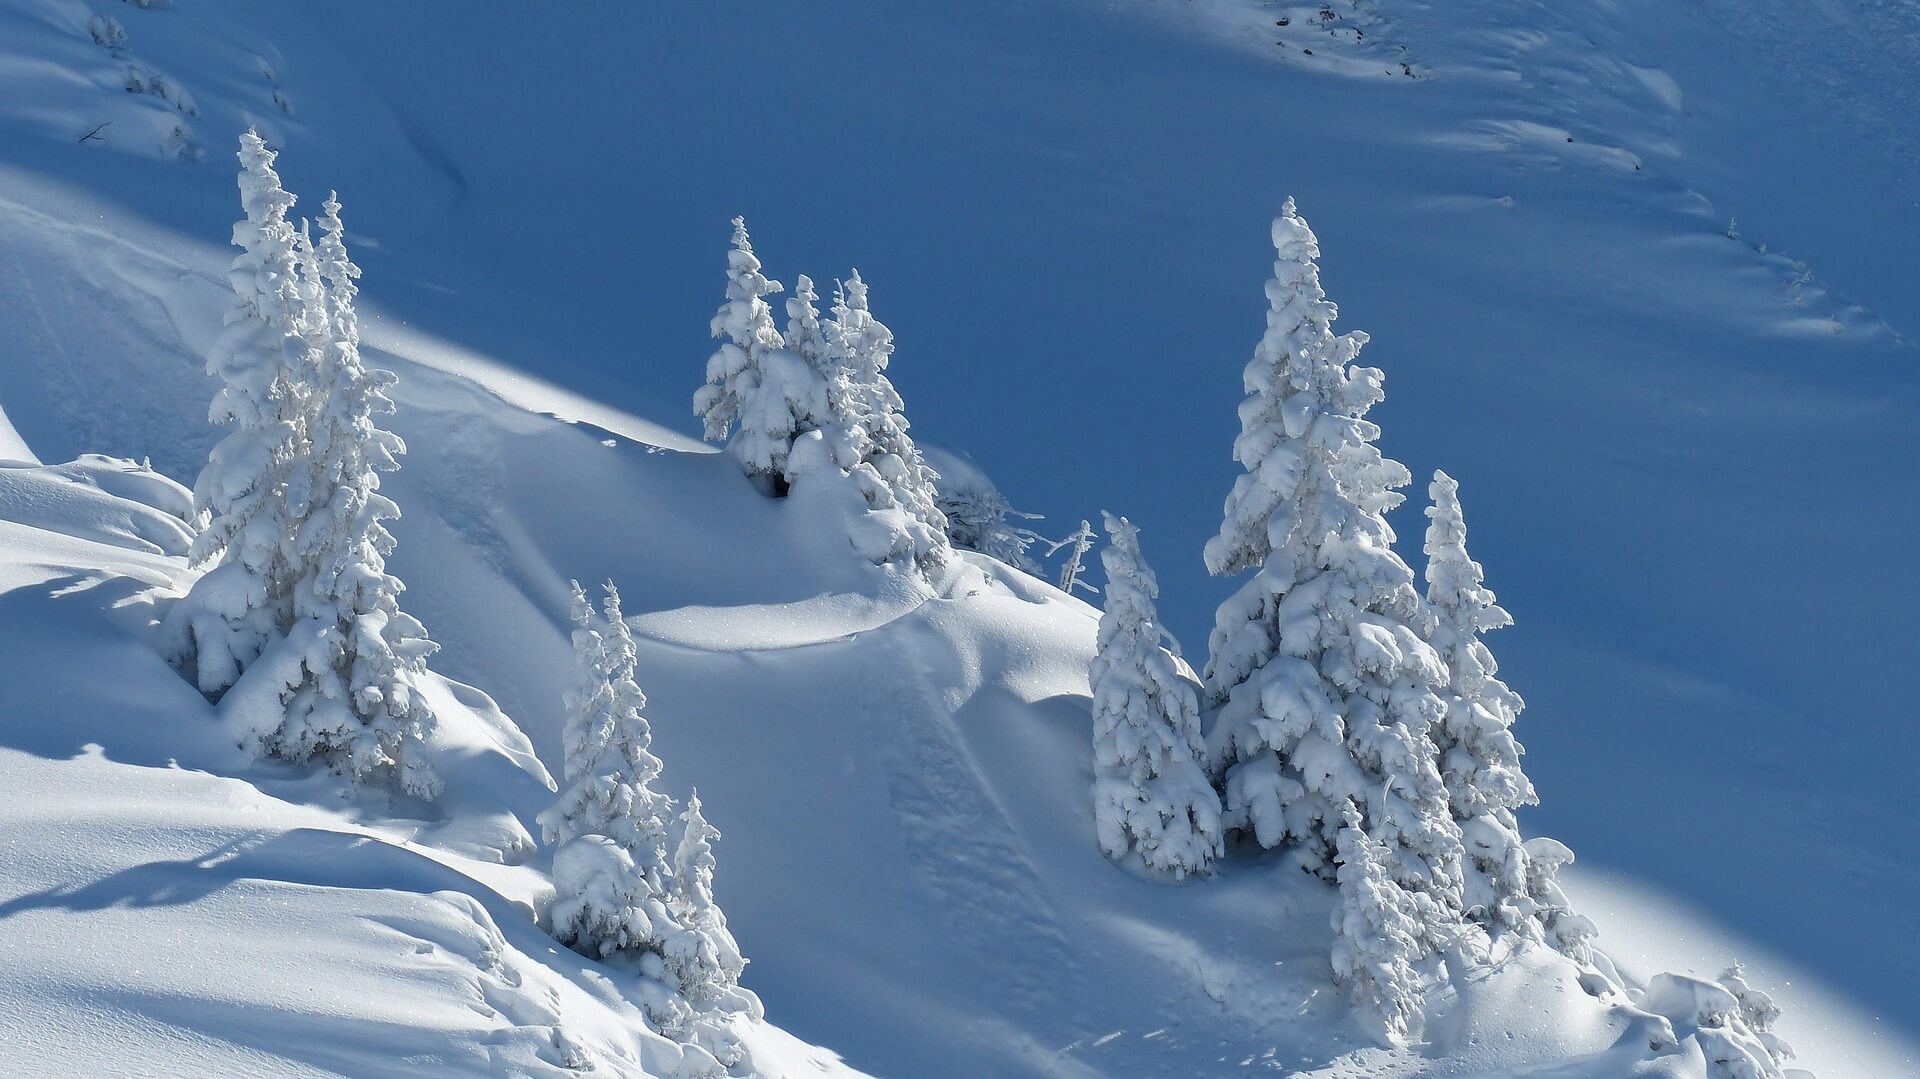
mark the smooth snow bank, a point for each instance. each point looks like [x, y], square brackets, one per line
[172, 906]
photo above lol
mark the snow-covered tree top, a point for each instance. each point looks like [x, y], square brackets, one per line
[1455, 585]
[1302, 416]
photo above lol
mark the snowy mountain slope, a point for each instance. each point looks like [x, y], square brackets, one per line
[1657, 377]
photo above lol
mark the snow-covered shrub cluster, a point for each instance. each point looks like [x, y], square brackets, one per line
[620, 894]
[297, 623]
[816, 401]
[1730, 1020]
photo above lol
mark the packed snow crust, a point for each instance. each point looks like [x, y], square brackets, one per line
[901, 770]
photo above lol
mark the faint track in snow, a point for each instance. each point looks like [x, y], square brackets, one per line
[958, 840]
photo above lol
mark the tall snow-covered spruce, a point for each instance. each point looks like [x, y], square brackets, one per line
[246, 599]
[1325, 685]
[299, 623]
[1479, 759]
[357, 703]
[762, 392]
[1150, 794]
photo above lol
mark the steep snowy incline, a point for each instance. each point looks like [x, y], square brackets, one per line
[1674, 442]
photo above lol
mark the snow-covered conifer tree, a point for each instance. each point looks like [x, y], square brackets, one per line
[1326, 687]
[1479, 759]
[1378, 931]
[766, 395]
[246, 600]
[1150, 793]
[705, 960]
[357, 701]
[611, 875]
[878, 451]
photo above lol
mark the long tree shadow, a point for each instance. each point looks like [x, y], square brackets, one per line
[76, 679]
[308, 856]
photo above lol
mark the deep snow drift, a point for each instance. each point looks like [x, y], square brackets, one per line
[1656, 422]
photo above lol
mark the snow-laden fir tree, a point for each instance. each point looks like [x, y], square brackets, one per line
[611, 876]
[1379, 937]
[871, 438]
[756, 388]
[1150, 793]
[1479, 759]
[355, 700]
[704, 960]
[246, 599]
[1325, 687]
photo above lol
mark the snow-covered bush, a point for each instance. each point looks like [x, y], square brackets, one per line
[1150, 793]
[1569, 933]
[1729, 1019]
[1378, 932]
[1479, 759]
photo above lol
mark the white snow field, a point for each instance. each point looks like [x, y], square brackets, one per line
[1640, 275]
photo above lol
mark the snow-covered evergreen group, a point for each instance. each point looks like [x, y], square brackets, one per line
[1349, 719]
[295, 625]
[1342, 715]
[816, 401]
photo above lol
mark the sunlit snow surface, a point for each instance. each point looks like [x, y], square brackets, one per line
[1686, 459]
